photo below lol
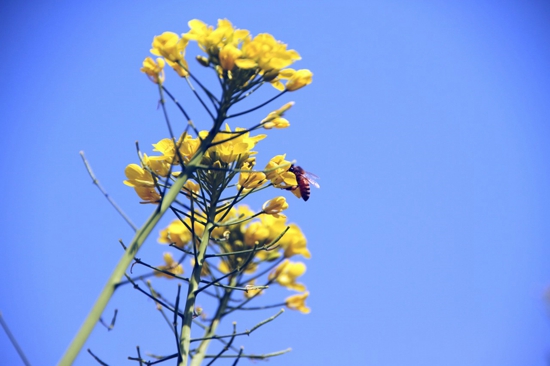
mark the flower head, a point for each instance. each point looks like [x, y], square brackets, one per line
[275, 206]
[294, 242]
[298, 302]
[235, 53]
[250, 180]
[277, 171]
[154, 70]
[233, 145]
[170, 46]
[297, 79]
[287, 273]
[142, 182]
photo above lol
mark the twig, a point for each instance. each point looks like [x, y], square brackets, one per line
[111, 201]
[112, 325]
[246, 332]
[226, 348]
[254, 357]
[97, 358]
[14, 341]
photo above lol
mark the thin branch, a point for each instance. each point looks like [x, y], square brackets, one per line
[255, 357]
[246, 332]
[112, 325]
[258, 106]
[14, 341]
[111, 201]
[139, 356]
[226, 348]
[238, 356]
[97, 358]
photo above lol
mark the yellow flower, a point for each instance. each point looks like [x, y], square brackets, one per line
[299, 79]
[250, 180]
[172, 48]
[275, 206]
[142, 182]
[157, 164]
[244, 211]
[212, 40]
[218, 232]
[167, 149]
[251, 291]
[228, 55]
[138, 177]
[189, 147]
[287, 273]
[277, 172]
[265, 52]
[255, 233]
[275, 120]
[179, 234]
[231, 150]
[276, 166]
[171, 266]
[191, 186]
[154, 70]
[275, 225]
[294, 242]
[298, 302]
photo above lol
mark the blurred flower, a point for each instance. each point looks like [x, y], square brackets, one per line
[294, 242]
[212, 40]
[154, 70]
[286, 274]
[172, 48]
[298, 302]
[178, 233]
[274, 119]
[277, 122]
[275, 206]
[171, 266]
[228, 54]
[251, 291]
[255, 233]
[298, 79]
[191, 186]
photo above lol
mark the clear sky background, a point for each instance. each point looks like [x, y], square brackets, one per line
[427, 121]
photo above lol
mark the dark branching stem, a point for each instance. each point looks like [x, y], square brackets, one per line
[176, 103]
[258, 106]
[226, 348]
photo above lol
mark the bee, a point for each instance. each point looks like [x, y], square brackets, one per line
[304, 180]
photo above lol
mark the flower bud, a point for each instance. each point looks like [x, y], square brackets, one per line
[203, 61]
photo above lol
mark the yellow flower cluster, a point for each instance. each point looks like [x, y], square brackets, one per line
[232, 52]
[244, 234]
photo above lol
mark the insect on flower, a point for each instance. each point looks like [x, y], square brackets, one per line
[304, 179]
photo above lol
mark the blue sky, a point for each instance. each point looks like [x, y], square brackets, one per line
[427, 122]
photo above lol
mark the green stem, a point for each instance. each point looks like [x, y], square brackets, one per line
[194, 281]
[136, 243]
[211, 330]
